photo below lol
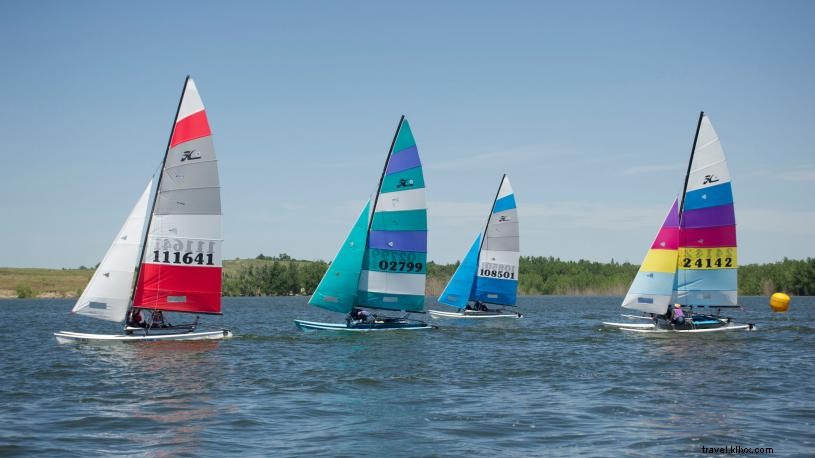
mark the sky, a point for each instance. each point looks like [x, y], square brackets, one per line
[589, 107]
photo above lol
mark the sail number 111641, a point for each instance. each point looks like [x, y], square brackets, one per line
[176, 257]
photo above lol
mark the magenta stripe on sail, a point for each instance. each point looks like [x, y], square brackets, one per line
[721, 215]
[667, 239]
[403, 160]
[399, 240]
[709, 237]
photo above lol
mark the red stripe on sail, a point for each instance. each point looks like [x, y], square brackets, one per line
[179, 288]
[192, 127]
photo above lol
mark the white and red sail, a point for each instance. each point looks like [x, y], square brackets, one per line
[181, 267]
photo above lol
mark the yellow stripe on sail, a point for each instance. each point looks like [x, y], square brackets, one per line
[659, 261]
[708, 258]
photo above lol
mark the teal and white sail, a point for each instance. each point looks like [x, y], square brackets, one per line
[489, 272]
[460, 287]
[337, 290]
[390, 271]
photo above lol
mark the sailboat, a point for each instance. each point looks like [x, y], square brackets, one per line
[488, 274]
[382, 264]
[693, 261]
[179, 259]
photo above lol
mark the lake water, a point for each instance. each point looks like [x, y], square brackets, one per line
[552, 383]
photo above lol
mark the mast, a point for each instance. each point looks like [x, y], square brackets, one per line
[489, 217]
[158, 187]
[382, 177]
[690, 164]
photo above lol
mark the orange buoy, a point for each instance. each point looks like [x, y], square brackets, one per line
[779, 302]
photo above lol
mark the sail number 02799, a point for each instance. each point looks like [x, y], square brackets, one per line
[176, 257]
[400, 266]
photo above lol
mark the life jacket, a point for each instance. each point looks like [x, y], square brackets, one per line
[678, 313]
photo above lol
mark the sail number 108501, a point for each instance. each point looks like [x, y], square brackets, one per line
[176, 257]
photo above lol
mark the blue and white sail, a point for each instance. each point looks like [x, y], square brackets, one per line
[489, 272]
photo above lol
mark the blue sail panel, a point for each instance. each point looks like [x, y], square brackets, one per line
[495, 291]
[457, 291]
[337, 290]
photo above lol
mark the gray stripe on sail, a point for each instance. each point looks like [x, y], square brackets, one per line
[191, 176]
[203, 201]
[502, 244]
[198, 150]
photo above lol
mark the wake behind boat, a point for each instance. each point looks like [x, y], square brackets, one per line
[382, 265]
[693, 259]
[488, 274]
[180, 257]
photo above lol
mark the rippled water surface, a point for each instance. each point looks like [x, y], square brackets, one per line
[552, 383]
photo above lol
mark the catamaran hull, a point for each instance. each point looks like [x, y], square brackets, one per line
[438, 314]
[651, 327]
[315, 326]
[728, 327]
[630, 325]
[65, 337]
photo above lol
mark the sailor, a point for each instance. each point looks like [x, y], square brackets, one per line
[678, 315]
[363, 316]
[136, 319]
[158, 320]
[480, 306]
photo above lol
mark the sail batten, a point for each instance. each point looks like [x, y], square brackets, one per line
[182, 260]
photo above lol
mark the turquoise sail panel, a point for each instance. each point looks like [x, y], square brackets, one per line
[458, 289]
[394, 272]
[337, 290]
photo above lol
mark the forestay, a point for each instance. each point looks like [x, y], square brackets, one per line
[394, 266]
[497, 274]
[708, 259]
[107, 295]
[181, 268]
[652, 288]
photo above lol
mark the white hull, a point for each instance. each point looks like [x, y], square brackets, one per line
[342, 327]
[651, 327]
[729, 327]
[630, 325]
[472, 314]
[64, 337]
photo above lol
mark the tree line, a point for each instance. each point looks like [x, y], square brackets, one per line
[282, 275]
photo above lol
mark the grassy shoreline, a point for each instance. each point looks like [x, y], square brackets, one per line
[282, 276]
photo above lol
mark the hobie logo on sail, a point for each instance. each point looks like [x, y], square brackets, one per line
[405, 183]
[710, 179]
[190, 155]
